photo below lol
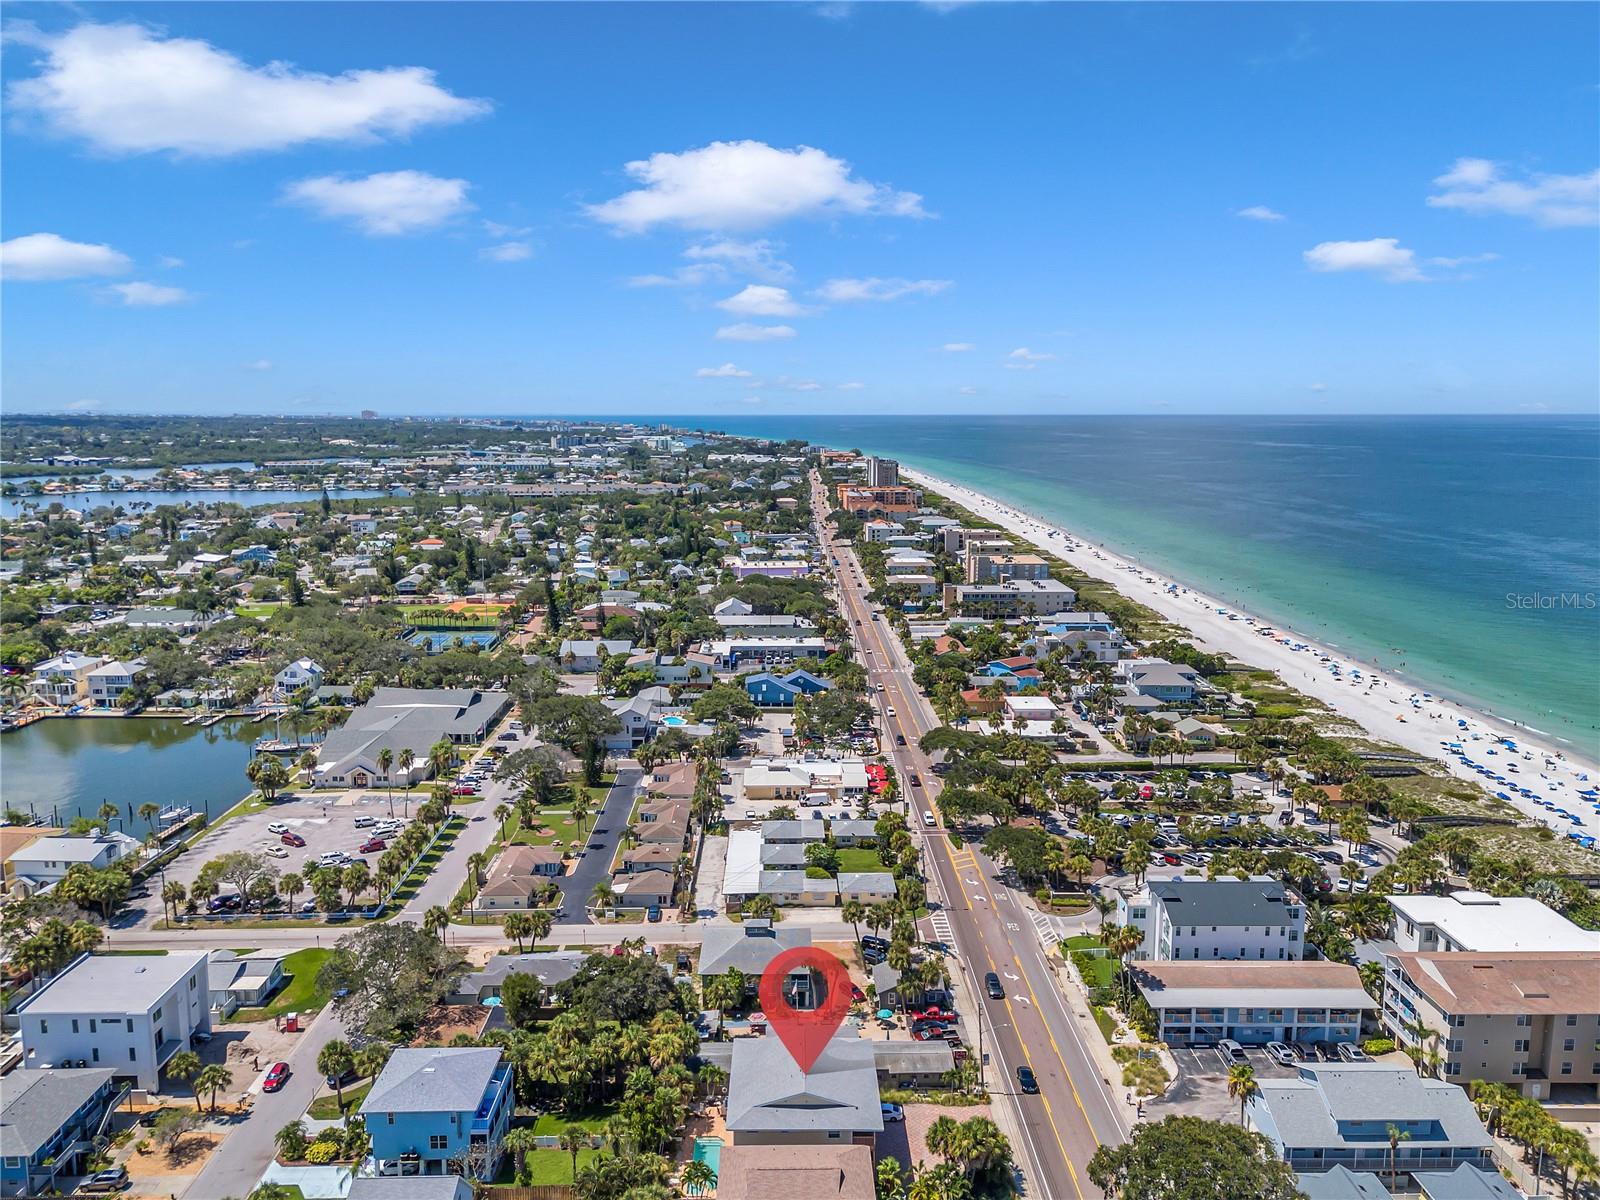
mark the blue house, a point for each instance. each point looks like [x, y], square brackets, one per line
[430, 1106]
[255, 554]
[771, 690]
[48, 1125]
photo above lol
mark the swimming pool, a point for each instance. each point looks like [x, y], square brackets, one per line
[709, 1151]
[673, 721]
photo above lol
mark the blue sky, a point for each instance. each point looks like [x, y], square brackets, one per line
[860, 208]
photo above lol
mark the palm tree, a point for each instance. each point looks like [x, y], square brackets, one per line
[502, 813]
[573, 1139]
[854, 911]
[108, 813]
[518, 1143]
[1396, 1136]
[436, 920]
[1242, 1085]
[385, 763]
[335, 1060]
[173, 893]
[213, 1079]
[147, 814]
[408, 759]
[603, 896]
[185, 1065]
[697, 1178]
[540, 923]
[517, 926]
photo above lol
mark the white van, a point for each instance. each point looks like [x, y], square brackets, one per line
[927, 818]
[365, 822]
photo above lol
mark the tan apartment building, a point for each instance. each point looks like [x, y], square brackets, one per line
[989, 565]
[1530, 1020]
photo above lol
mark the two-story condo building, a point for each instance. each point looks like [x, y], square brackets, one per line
[1200, 1003]
[1187, 919]
[429, 1107]
[129, 1014]
[1339, 1114]
[1530, 1019]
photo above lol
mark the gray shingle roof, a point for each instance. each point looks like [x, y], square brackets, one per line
[437, 1079]
[767, 1091]
[1466, 1182]
[409, 1187]
[1223, 901]
[1341, 1183]
[38, 1103]
[549, 969]
[749, 949]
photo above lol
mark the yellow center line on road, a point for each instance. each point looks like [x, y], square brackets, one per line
[943, 841]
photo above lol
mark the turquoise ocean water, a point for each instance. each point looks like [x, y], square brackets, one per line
[1462, 553]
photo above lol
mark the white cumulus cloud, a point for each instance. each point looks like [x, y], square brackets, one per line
[46, 257]
[506, 252]
[1383, 256]
[745, 331]
[1023, 354]
[845, 291]
[1479, 186]
[960, 347]
[125, 89]
[762, 300]
[1260, 212]
[1464, 260]
[729, 186]
[139, 294]
[725, 371]
[385, 204]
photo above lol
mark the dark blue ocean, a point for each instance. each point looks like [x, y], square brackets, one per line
[1461, 552]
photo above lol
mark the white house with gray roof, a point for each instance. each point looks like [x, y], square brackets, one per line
[127, 1013]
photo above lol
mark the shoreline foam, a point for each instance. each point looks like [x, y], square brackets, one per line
[1556, 773]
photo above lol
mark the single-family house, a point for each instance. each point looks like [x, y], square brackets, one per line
[301, 673]
[43, 861]
[429, 1108]
[110, 680]
[585, 656]
[772, 690]
[771, 1101]
[550, 969]
[766, 1172]
[49, 1123]
[64, 679]
[243, 980]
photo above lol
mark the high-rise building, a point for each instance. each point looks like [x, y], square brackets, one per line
[882, 472]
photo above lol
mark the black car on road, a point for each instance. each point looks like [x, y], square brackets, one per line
[1026, 1081]
[991, 983]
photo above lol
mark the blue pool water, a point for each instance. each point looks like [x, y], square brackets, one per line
[709, 1151]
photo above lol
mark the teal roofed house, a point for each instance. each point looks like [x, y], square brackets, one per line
[440, 1111]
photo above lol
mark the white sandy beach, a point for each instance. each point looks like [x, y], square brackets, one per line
[1375, 701]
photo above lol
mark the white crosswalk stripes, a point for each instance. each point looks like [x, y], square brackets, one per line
[941, 928]
[1045, 928]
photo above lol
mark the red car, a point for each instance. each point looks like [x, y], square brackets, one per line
[291, 839]
[277, 1076]
[856, 994]
[373, 845]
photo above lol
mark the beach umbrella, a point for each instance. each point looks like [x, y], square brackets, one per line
[885, 1014]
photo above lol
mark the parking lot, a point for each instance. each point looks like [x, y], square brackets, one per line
[1201, 1089]
[326, 820]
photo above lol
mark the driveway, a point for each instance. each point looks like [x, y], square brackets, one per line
[708, 883]
[595, 864]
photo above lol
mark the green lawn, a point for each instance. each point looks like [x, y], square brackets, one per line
[259, 611]
[326, 1106]
[1082, 941]
[856, 858]
[299, 994]
[553, 1168]
[552, 825]
[591, 1119]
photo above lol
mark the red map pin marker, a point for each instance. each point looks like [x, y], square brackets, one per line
[805, 1031]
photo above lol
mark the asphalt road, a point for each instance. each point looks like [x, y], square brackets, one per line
[245, 1153]
[1074, 1111]
[595, 864]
